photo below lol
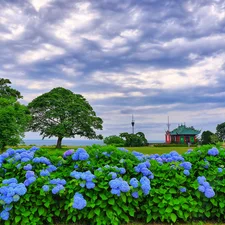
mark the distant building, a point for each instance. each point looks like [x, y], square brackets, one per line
[182, 135]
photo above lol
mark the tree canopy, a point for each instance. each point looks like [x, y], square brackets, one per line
[134, 140]
[14, 117]
[220, 131]
[114, 140]
[63, 114]
[206, 137]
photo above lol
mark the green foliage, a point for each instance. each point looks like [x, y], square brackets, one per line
[114, 140]
[134, 140]
[164, 203]
[61, 113]
[14, 117]
[206, 137]
[220, 131]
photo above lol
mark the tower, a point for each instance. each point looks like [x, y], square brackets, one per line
[132, 123]
[167, 135]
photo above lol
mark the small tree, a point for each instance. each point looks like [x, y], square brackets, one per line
[220, 131]
[14, 117]
[61, 113]
[214, 139]
[114, 140]
[134, 140]
[206, 137]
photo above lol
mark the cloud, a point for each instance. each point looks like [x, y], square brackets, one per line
[150, 58]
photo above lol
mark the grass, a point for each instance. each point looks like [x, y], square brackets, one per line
[146, 150]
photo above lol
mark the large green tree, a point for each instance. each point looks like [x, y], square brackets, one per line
[14, 117]
[220, 131]
[61, 113]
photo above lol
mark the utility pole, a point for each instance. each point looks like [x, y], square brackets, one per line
[132, 123]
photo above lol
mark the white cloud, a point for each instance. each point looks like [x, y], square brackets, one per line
[45, 52]
[38, 4]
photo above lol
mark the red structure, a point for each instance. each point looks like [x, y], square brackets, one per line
[181, 135]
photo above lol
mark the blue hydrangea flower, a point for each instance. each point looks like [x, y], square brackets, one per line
[213, 151]
[201, 180]
[116, 191]
[113, 175]
[201, 188]
[186, 165]
[4, 215]
[122, 170]
[134, 182]
[45, 188]
[186, 172]
[51, 168]
[135, 194]
[220, 170]
[209, 193]
[27, 167]
[68, 153]
[78, 201]
[29, 174]
[44, 173]
[183, 189]
[57, 189]
[90, 185]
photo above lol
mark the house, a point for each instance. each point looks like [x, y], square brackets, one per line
[182, 134]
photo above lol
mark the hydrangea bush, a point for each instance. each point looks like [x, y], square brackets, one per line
[106, 185]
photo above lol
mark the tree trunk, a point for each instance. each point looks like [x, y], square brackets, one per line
[59, 142]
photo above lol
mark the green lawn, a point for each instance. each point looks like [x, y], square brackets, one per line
[145, 150]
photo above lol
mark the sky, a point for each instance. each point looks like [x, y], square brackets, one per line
[149, 58]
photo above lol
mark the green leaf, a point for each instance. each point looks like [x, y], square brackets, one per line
[111, 201]
[17, 219]
[103, 196]
[173, 217]
[97, 211]
[124, 198]
[41, 211]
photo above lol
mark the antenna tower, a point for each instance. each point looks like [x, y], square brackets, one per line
[132, 123]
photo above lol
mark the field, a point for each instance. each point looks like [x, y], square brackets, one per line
[144, 150]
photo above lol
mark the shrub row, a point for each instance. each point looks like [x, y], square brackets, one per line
[106, 185]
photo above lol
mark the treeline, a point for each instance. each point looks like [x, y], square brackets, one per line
[127, 140]
[209, 137]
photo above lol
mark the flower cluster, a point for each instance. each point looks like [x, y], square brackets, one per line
[42, 160]
[113, 175]
[140, 156]
[187, 166]
[220, 170]
[68, 153]
[118, 185]
[27, 167]
[30, 178]
[9, 194]
[145, 185]
[183, 189]
[213, 151]
[169, 157]
[44, 173]
[106, 154]
[22, 155]
[205, 187]
[143, 168]
[59, 185]
[86, 176]
[80, 154]
[78, 201]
